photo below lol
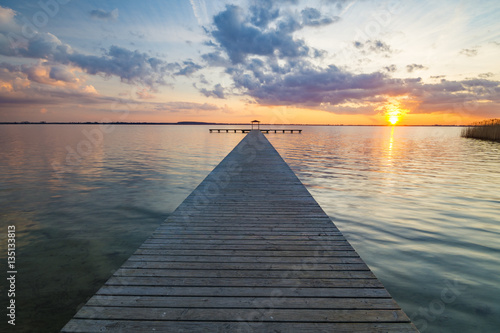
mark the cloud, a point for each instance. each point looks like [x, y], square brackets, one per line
[240, 39]
[199, 11]
[241, 36]
[137, 34]
[413, 67]
[257, 49]
[312, 17]
[58, 79]
[469, 52]
[189, 68]
[340, 3]
[144, 94]
[217, 92]
[7, 19]
[263, 13]
[19, 92]
[215, 59]
[62, 74]
[100, 14]
[131, 66]
[373, 46]
[391, 68]
[44, 84]
[486, 75]
[308, 85]
[45, 73]
[303, 84]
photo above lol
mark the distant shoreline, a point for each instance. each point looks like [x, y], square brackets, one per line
[202, 123]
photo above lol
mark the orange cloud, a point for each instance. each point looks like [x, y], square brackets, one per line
[144, 94]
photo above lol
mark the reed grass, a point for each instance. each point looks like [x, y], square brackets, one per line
[484, 130]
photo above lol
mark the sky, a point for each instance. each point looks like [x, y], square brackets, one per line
[281, 62]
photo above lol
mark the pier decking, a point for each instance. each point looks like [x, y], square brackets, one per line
[248, 130]
[249, 250]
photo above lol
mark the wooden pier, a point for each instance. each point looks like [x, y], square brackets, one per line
[248, 130]
[249, 250]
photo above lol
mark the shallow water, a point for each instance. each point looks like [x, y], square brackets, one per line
[419, 204]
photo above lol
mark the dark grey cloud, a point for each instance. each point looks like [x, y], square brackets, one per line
[203, 80]
[414, 67]
[313, 17]
[263, 13]
[217, 92]
[100, 14]
[391, 68]
[215, 59]
[188, 68]
[486, 75]
[373, 46]
[339, 3]
[137, 34]
[60, 73]
[132, 67]
[305, 84]
[241, 35]
[240, 39]
[469, 52]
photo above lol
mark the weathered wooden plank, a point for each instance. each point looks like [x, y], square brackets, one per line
[244, 324]
[256, 233]
[211, 263]
[243, 282]
[245, 253]
[236, 226]
[251, 237]
[235, 262]
[160, 248]
[244, 302]
[244, 291]
[302, 274]
[229, 314]
[249, 250]
[187, 242]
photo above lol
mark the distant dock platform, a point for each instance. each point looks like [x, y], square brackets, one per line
[249, 250]
[248, 130]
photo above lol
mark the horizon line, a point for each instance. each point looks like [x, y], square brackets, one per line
[202, 123]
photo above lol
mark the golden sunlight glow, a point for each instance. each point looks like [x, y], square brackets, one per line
[393, 111]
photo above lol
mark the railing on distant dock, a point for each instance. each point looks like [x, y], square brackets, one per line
[247, 130]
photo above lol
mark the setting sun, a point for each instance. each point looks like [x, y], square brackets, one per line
[393, 111]
[393, 119]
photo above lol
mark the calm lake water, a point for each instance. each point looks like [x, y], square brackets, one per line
[420, 205]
